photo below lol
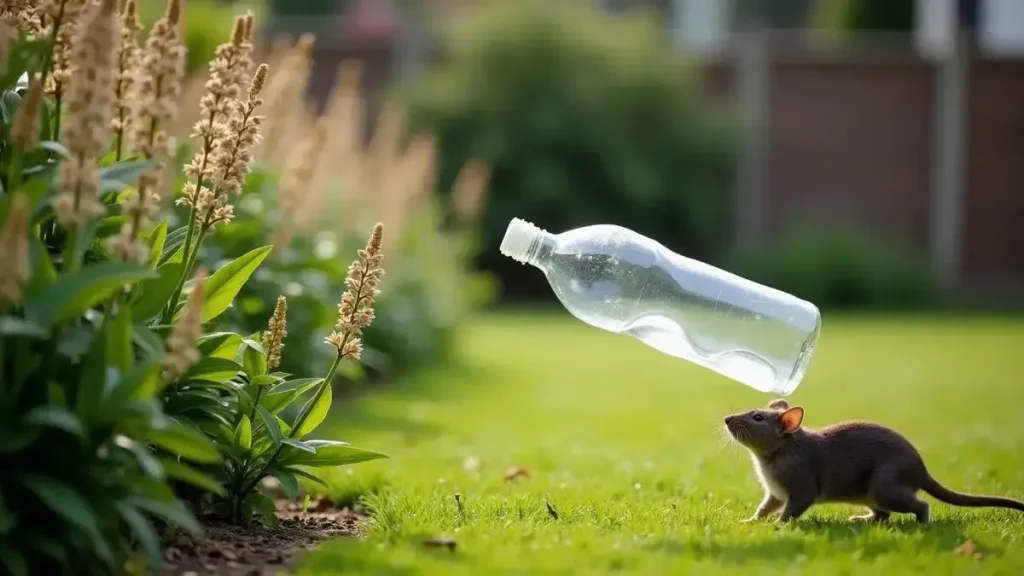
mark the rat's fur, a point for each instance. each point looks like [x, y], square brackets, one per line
[852, 462]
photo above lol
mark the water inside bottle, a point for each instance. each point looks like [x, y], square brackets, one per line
[665, 335]
[691, 311]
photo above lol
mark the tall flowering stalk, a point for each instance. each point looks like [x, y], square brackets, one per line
[61, 17]
[230, 163]
[21, 14]
[228, 69]
[159, 76]
[25, 129]
[274, 335]
[355, 313]
[469, 192]
[16, 271]
[88, 112]
[296, 182]
[127, 61]
[286, 98]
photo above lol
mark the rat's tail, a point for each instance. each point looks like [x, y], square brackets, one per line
[940, 492]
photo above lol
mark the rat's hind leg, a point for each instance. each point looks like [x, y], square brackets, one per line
[900, 499]
[875, 515]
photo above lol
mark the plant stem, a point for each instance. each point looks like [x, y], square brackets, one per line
[186, 257]
[189, 262]
[48, 59]
[71, 248]
[56, 114]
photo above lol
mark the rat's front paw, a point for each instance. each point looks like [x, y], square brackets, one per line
[751, 520]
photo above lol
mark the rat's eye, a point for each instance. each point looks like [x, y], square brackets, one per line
[758, 417]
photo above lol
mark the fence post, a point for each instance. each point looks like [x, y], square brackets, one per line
[949, 159]
[752, 75]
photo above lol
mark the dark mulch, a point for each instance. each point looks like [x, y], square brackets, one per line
[258, 550]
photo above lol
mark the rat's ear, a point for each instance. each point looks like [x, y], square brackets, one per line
[778, 405]
[791, 420]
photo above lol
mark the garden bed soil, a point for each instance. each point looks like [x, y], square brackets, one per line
[258, 550]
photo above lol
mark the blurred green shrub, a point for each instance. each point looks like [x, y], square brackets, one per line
[421, 306]
[851, 15]
[841, 269]
[584, 117]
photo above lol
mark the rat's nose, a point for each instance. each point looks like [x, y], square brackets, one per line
[728, 419]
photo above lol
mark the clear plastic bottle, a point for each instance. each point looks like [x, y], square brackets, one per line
[623, 282]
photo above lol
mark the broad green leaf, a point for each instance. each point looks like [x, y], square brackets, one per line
[120, 334]
[156, 242]
[305, 474]
[254, 362]
[74, 293]
[212, 370]
[44, 273]
[263, 380]
[243, 433]
[149, 342]
[330, 456]
[154, 293]
[270, 421]
[185, 441]
[172, 512]
[172, 245]
[147, 461]
[263, 507]
[185, 473]
[62, 500]
[282, 395]
[122, 175]
[57, 148]
[289, 484]
[55, 416]
[318, 444]
[144, 531]
[299, 444]
[219, 344]
[92, 382]
[24, 56]
[317, 408]
[224, 284]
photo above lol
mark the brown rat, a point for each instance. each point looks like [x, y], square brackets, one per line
[852, 462]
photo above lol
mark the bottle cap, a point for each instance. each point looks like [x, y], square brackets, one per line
[520, 236]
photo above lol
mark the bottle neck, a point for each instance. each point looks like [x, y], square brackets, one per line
[527, 244]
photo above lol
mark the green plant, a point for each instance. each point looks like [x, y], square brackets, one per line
[112, 399]
[583, 117]
[840, 268]
[235, 395]
[311, 213]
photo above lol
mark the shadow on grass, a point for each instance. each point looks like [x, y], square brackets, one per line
[841, 537]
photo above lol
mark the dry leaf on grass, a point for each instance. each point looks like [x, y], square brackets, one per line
[516, 472]
[968, 549]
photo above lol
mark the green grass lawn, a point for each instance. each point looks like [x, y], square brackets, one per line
[626, 445]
